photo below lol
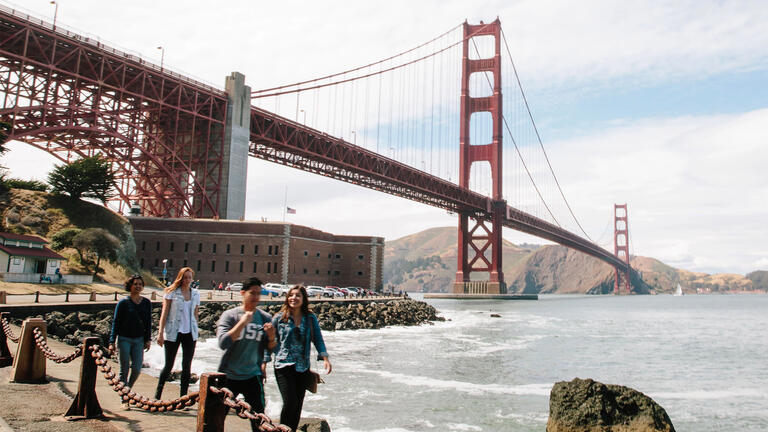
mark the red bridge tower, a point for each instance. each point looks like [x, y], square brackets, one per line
[621, 248]
[483, 240]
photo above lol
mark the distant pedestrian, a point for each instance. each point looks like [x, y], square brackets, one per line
[58, 275]
[221, 286]
[178, 326]
[246, 335]
[132, 327]
[297, 327]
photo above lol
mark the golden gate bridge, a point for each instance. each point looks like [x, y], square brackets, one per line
[179, 147]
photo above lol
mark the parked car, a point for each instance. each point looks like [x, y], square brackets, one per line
[332, 293]
[314, 290]
[237, 286]
[273, 289]
[355, 291]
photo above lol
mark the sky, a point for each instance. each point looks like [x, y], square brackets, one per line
[660, 105]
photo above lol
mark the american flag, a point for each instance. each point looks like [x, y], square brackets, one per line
[291, 210]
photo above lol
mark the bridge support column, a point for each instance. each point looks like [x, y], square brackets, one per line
[235, 150]
[474, 243]
[621, 248]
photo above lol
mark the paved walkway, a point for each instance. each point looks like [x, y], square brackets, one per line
[18, 399]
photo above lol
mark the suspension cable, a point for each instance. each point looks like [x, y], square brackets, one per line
[517, 149]
[278, 93]
[538, 137]
[357, 68]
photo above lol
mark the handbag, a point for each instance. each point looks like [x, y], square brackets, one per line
[313, 378]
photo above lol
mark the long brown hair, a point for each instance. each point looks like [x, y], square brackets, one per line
[285, 310]
[177, 282]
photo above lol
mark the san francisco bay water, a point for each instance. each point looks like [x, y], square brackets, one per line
[703, 358]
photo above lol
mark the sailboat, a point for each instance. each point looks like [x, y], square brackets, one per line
[678, 291]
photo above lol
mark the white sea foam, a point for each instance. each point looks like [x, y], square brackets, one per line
[712, 394]
[463, 427]
[542, 389]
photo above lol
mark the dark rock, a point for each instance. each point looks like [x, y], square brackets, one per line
[313, 424]
[495, 315]
[590, 406]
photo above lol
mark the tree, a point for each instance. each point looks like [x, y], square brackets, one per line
[89, 177]
[96, 242]
[63, 239]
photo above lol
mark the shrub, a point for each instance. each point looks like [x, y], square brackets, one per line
[63, 238]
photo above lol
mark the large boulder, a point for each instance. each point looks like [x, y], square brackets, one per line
[589, 406]
[313, 424]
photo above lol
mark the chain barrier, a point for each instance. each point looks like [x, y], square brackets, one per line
[243, 410]
[133, 398]
[8, 332]
[48, 352]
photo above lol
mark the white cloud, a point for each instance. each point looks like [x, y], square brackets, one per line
[695, 186]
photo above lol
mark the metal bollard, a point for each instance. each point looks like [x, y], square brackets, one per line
[29, 363]
[211, 410]
[66, 297]
[92, 297]
[86, 404]
[37, 296]
[115, 295]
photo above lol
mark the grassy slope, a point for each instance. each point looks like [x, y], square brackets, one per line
[43, 214]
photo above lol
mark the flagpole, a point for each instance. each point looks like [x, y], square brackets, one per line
[285, 201]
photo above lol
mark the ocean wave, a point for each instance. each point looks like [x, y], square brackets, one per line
[536, 389]
[463, 427]
[711, 394]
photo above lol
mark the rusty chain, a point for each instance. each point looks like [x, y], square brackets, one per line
[8, 332]
[48, 352]
[243, 410]
[133, 398]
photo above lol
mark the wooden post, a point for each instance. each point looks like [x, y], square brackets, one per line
[210, 295]
[3, 298]
[92, 297]
[86, 404]
[5, 354]
[29, 363]
[211, 410]
[154, 295]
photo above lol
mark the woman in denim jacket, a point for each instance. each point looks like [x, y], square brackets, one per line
[296, 325]
[178, 326]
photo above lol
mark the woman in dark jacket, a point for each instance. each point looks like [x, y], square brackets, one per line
[133, 324]
[297, 327]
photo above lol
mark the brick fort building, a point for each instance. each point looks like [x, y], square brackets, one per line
[230, 251]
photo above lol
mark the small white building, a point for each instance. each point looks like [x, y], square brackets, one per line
[26, 257]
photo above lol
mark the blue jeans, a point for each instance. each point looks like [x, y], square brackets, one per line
[131, 354]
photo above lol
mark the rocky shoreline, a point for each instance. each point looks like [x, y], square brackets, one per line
[73, 327]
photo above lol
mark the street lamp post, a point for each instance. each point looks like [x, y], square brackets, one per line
[354, 137]
[162, 57]
[165, 270]
[305, 116]
[55, 13]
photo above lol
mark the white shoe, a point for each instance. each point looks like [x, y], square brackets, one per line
[126, 406]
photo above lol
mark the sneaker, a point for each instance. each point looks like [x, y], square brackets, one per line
[126, 407]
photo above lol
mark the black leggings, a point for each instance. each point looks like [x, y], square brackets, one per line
[187, 352]
[253, 393]
[293, 386]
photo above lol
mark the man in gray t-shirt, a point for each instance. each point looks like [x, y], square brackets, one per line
[246, 335]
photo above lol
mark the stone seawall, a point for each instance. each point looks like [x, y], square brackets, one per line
[72, 327]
